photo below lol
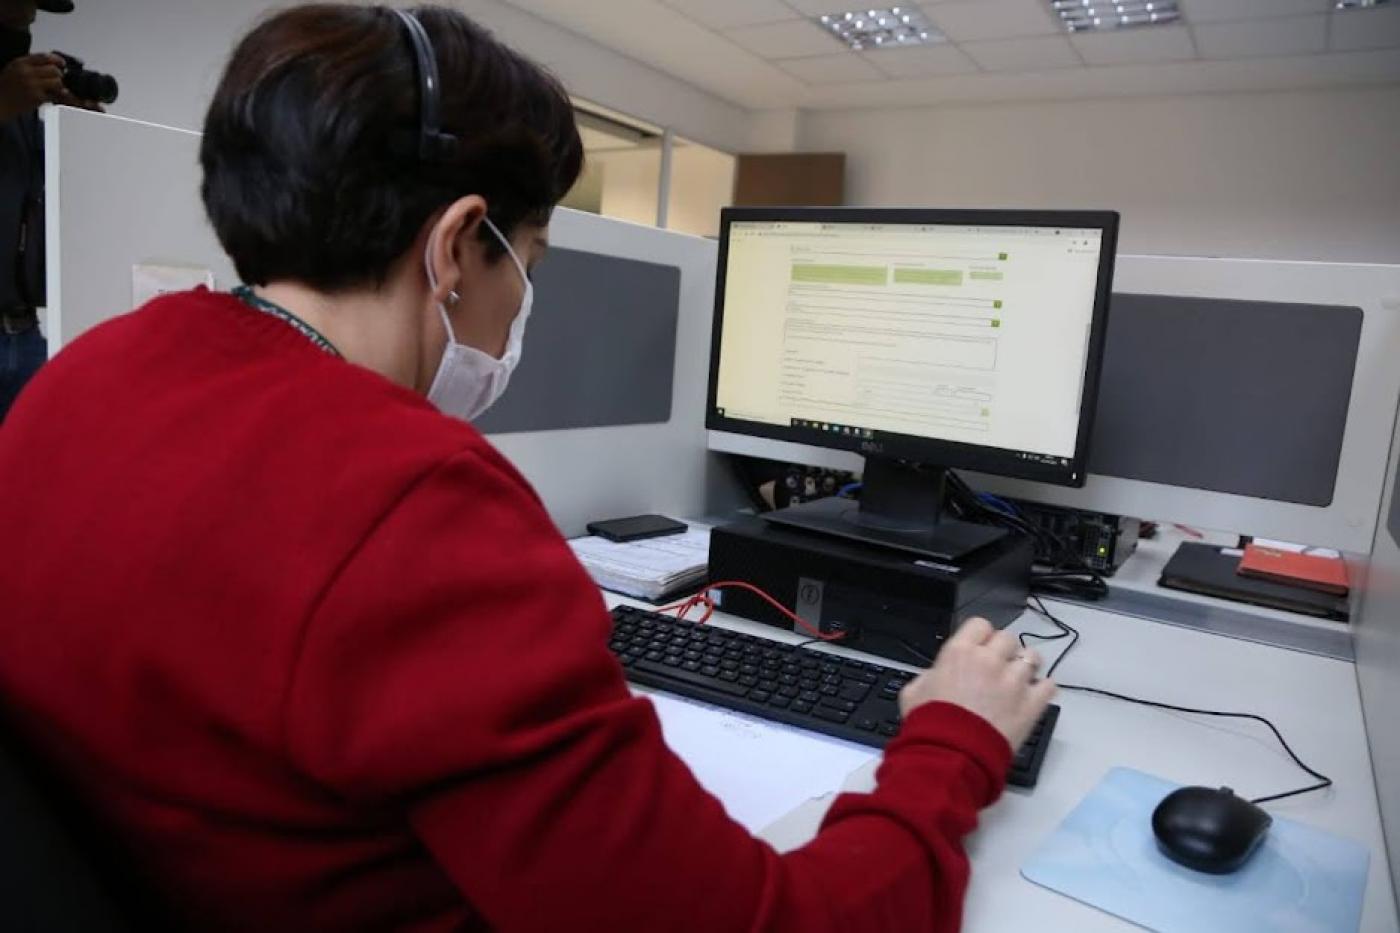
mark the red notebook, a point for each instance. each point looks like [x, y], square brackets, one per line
[1311, 571]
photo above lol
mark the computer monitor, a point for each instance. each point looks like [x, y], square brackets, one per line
[921, 339]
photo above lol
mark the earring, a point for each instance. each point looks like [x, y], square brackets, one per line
[452, 299]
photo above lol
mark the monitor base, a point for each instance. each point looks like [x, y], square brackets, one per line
[948, 540]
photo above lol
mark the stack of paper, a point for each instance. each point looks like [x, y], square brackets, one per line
[648, 569]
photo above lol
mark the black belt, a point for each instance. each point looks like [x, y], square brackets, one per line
[18, 321]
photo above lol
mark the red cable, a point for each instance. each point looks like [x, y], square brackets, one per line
[703, 598]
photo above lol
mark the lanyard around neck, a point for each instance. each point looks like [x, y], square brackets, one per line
[253, 300]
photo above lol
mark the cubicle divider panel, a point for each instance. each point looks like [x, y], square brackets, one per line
[1378, 658]
[601, 346]
[1262, 386]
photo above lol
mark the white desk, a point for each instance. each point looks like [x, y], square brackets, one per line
[1313, 700]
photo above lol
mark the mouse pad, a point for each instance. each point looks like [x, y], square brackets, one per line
[1300, 880]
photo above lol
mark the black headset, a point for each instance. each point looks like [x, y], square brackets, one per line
[433, 144]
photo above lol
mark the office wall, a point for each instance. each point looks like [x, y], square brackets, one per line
[1282, 175]
[168, 54]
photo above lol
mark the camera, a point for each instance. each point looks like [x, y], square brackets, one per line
[84, 84]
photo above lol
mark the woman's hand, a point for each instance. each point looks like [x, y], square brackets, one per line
[988, 673]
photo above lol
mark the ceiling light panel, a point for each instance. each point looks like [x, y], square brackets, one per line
[1359, 4]
[874, 28]
[1107, 15]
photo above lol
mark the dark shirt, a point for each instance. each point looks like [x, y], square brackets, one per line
[21, 213]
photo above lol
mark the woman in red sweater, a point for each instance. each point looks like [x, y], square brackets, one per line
[308, 645]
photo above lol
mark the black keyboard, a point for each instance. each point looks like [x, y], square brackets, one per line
[842, 697]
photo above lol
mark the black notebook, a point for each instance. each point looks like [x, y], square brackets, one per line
[1212, 571]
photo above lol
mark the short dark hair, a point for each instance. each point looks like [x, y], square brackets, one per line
[311, 168]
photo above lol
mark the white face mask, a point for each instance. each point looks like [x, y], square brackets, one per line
[468, 380]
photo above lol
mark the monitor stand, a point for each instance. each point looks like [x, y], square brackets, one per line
[901, 506]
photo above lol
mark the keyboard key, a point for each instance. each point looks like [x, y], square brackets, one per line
[627, 660]
[889, 728]
[809, 683]
[800, 707]
[687, 677]
[828, 690]
[866, 724]
[854, 690]
[832, 715]
[808, 696]
[846, 706]
[779, 701]
[759, 696]
[730, 676]
[748, 681]
[765, 683]
[709, 670]
[787, 691]
[690, 666]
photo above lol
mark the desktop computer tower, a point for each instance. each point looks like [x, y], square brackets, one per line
[889, 602]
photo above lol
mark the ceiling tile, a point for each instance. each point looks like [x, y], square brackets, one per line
[1033, 54]
[1366, 29]
[842, 68]
[726, 14]
[1224, 11]
[922, 61]
[797, 39]
[992, 19]
[1135, 46]
[815, 7]
[1293, 35]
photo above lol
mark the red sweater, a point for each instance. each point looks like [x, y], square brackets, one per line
[317, 655]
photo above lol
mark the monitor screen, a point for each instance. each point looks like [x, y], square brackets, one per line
[960, 338]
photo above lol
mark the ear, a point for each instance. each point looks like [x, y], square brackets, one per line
[463, 216]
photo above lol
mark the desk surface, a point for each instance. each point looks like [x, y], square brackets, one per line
[1313, 700]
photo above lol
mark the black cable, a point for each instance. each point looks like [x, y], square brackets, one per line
[1070, 574]
[1323, 780]
[909, 647]
[1067, 631]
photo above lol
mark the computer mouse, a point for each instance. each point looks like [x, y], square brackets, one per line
[1209, 830]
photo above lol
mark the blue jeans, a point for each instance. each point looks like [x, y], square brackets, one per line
[21, 355]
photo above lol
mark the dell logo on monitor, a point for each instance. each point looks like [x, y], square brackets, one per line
[872, 447]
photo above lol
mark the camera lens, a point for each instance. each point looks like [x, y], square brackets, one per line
[92, 85]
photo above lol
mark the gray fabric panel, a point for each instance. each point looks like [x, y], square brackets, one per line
[1242, 397]
[600, 348]
[1393, 523]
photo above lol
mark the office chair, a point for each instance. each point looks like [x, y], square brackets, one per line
[48, 884]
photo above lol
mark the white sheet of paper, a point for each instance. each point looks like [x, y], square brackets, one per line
[151, 280]
[759, 770]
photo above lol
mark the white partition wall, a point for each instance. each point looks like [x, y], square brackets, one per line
[122, 192]
[1378, 657]
[118, 193]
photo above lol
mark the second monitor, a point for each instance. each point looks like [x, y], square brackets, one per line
[922, 339]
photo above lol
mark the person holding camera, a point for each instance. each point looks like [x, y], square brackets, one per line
[27, 82]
